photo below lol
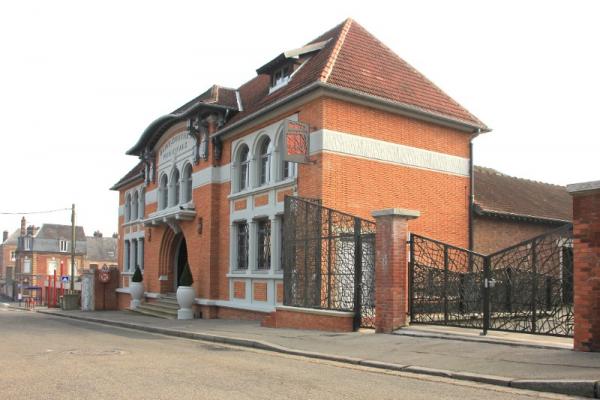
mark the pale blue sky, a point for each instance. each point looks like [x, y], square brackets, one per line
[79, 81]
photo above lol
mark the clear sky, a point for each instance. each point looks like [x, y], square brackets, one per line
[81, 80]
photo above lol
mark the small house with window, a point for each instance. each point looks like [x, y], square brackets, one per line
[209, 188]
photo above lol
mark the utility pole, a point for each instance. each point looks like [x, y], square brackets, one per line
[73, 248]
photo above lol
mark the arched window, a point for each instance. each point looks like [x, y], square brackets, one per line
[264, 161]
[142, 205]
[163, 192]
[187, 183]
[134, 205]
[176, 187]
[128, 208]
[243, 163]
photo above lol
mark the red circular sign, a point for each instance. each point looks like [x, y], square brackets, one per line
[104, 275]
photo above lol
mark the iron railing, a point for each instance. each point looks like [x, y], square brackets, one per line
[526, 288]
[328, 260]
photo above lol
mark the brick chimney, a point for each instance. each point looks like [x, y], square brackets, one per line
[4, 236]
[23, 226]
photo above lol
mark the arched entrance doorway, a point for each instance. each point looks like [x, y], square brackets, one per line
[180, 259]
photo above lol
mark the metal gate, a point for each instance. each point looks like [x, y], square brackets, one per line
[525, 288]
[328, 260]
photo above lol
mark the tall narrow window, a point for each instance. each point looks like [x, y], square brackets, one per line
[176, 187]
[27, 265]
[242, 245]
[126, 259]
[63, 245]
[135, 254]
[128, 208]
[142, 205]
[280, 241]
[141, 253]
[163, 192]
[264, 161]
[243, 162]
[187, 183]
[134, 205]
[27, 241]
[264, 244]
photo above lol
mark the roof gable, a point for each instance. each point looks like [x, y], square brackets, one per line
[365, 64]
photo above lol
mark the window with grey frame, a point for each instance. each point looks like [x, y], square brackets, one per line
[176, 187]
[243, 162]
[264, 244]
[126, 260]
[242, 245]
[187, 183]
[264, 161]
[163, 193]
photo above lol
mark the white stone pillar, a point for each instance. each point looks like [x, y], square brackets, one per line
[87, 290]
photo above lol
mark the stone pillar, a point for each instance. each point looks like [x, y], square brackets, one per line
[88, 301]
[586, 268]
[391, 268]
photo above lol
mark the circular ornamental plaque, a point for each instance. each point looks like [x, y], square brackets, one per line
[104, 275]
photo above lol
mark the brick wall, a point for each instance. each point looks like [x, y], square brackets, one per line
[586, 253]
[494, 234]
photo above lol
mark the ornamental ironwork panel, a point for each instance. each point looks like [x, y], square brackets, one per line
[533, 291]
[328, 260]
[445, 284]
[525, 288]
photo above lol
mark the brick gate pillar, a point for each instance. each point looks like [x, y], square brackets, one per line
[586, 267]
[391, 268]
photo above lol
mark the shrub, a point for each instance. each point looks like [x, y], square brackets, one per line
[186, 276]
[137, 275]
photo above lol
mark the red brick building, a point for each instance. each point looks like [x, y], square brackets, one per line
[8, 258]
[509, 210]
[210, 185]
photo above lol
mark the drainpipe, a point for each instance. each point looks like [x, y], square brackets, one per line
[471, 191]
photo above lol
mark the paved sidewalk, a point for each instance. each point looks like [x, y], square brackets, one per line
[497, 363]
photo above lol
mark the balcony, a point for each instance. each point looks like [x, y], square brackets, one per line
[171, 215]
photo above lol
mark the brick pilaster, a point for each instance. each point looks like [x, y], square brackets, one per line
[391, 268]
[586, 268]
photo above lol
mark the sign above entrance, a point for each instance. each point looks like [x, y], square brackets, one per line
[297, 141]
[176, 145]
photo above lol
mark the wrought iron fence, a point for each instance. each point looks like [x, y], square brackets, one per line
[328, 260]
[527, 287]
[533, 289]
[445, 284]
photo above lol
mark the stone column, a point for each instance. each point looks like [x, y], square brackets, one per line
[88, 301]
[586, 267]
[391, 268]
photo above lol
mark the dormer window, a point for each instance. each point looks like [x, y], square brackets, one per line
[63, 245]
[280, 77]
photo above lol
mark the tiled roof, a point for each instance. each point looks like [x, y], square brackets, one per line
[56, 231]
[215, 95]
[101, 248]
[354, 59]
[504, 195]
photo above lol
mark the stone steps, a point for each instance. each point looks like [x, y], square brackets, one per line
[165, 307]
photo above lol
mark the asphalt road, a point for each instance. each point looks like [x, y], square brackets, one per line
[44, 357]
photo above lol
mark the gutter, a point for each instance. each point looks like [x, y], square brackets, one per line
[407, 109]
[522, 217]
